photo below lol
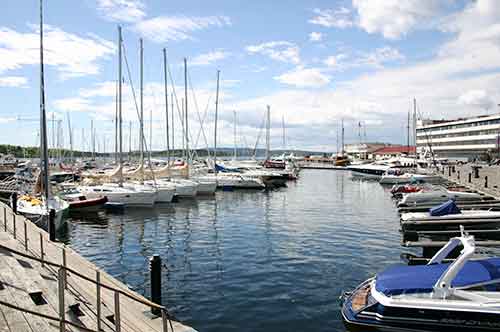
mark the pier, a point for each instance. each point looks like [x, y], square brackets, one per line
[46, 286]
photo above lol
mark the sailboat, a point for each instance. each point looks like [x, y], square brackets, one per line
[32, 206]
[127, 194]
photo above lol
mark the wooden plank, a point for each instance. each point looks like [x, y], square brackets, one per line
[4, 327]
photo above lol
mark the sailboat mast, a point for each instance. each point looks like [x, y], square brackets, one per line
[141, 131]
[283, 127]
[172, 108]
[93, 138]
[120, 150]
[216, 119]
[70, 133]
[44, 155]
[234, 136]
[186, 108]
[343, 132]
[408, 134]
[415, 123]
[116, 123]
[129, 140]
[166, 104]
[268, 132]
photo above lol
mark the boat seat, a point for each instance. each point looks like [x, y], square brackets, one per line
[402, 279]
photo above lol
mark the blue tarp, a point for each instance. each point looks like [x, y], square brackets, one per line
[444, 209]
[403, 279]
[223, 169]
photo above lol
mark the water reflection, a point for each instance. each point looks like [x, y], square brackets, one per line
[252, 260]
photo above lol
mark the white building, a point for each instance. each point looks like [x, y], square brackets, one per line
[462, 138]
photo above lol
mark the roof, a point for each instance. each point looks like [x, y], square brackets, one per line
[403, 279]
[395, 149]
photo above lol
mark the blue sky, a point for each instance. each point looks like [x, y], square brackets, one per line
[313, 62]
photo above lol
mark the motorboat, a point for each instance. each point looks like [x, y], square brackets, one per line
[126, 195]
[449, 216]
[37, 209]
[79, 202]
[395, 176]
[374, 171]
[458, 296]
[437, 195]
[236, 181]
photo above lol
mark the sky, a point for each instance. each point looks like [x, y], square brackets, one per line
[316, 63]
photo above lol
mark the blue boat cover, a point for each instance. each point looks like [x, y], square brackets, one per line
[444, 209]
[403, 279]
[223, 169]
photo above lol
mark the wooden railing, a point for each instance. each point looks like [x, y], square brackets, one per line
[61, 273]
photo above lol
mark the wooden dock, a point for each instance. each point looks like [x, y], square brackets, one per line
[47, 286]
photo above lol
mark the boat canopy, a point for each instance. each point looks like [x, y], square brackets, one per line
[223, 169]
[444, 209]
[403, 279]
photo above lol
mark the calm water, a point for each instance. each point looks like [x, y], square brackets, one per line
[253, 261]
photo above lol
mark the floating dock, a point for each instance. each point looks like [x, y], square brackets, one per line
[46, 286]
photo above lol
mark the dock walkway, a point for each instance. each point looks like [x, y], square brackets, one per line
[47, 286]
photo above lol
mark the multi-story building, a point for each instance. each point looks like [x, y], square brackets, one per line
[461, 138]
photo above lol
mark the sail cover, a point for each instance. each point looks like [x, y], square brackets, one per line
[444, 209]
[403, 279]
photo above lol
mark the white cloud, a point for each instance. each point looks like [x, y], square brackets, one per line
[121, 10]
[315, 36]
[478, 98]
[13, 81]
[394, 18]
[304, 78]
[375, 59]
[340, 18]
[283, 51]
[209, 58]
[71, 55]
[174, 28]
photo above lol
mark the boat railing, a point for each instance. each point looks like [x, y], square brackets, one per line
[62, 270]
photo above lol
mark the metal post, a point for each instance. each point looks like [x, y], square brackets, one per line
[13, 202]
[65, 267]
[458, 175]
[51, 225]
[155, 273]
[60, 291]
[449, 170]
[165, 321]
[98, 297]
[470, 177]
[486, 181]
[41, 248]
[118, 326]
[25, 236]
[14, 225]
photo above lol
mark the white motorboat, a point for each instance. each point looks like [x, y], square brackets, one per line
[437, 195]
[373, 171]
[234, 181]
[126, 195]
[395, 176]
[35, 208]
[458, 296]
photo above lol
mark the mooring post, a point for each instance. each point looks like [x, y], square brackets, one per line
[155, 270]
[458, 175]
[486, 181]
[449, 170]
[13, 202]
[470, 177]
[52, 225]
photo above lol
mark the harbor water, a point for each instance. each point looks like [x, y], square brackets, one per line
[252, 260]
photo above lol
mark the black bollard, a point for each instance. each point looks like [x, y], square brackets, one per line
[470, 177]
[13, 202]
[155, 270]
[52, 225]
[486, 181]
[449, 170]
[458, 175]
